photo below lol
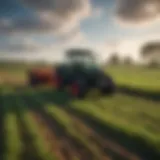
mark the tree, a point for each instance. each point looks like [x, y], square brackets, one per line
[153, 64]
[151, 52]
[114, 59]
[128, 60]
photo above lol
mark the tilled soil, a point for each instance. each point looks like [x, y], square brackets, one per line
[63, 145]
[110, 148]
[66, 148]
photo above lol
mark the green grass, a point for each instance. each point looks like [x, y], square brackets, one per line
[133, 116]
[65, 122]
[138, 77]
[38, 142]
[132, 76]
[13, 144]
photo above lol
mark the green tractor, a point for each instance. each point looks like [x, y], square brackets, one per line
[80, 73]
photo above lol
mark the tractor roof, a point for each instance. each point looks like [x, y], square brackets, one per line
[79, 52]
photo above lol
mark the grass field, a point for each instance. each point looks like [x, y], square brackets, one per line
[44, 124]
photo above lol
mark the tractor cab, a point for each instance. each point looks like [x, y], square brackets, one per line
[81, 64]
[81, 59]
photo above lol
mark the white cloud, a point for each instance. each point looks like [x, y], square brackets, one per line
[132, 46]
[30, 49]
[55, 16]
[137, 12]
[18, 45]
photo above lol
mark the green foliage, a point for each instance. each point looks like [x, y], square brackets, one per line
[114, 59]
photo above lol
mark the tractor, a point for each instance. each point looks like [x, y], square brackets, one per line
[80, 73]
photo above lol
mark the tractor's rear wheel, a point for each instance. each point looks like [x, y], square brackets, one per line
[107, 86]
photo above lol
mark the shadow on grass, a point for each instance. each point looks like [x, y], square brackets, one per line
[136, 92]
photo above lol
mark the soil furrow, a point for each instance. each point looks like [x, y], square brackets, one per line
[53, 143]
[29, 152]
[111, 148]
[67, 146]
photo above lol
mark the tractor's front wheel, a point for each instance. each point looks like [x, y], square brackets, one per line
[79, 89]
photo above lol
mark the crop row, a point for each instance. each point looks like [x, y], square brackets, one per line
[16, 111]
[13, 144]
[133, 121]
[65, 122]
[121, 123]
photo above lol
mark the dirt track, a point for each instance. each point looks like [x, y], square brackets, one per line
[65, 147]
[109, 147]
[61, 144]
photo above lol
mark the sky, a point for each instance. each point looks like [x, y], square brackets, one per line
[44, 29]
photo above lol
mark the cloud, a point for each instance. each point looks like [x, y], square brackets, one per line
[19, 46]
[132, 46]
[27, 48]
[21, 25]
[73, 38]
[55, 16]
[137, 12]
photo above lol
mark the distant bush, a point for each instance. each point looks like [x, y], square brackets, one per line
[154, 64]
[114, 59]
[128, 61]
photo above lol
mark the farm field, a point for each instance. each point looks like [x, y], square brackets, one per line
[43, 124]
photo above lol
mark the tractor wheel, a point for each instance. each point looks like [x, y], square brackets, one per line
[107, 86]
[79, 89]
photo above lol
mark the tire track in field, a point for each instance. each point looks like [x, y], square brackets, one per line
[57, 142]
[50, 137]
[70, 145]
[66, 147]
[108, 149]
[114, 150]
